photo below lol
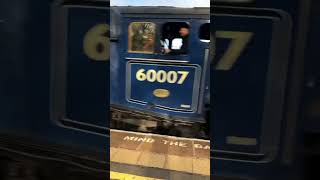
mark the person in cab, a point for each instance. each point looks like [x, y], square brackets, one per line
[179, 45]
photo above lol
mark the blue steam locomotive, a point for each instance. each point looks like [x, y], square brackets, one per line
[152, 89]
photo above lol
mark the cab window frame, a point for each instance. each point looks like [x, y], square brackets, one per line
[130, 40]
[200, 30]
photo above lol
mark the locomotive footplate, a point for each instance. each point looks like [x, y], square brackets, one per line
[158, 156]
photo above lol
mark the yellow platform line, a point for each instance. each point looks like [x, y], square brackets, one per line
[123, 176]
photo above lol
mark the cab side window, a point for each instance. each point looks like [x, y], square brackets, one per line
[175, 38]
[204, 32]
[141, 37]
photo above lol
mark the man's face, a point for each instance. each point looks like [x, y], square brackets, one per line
[184, 32]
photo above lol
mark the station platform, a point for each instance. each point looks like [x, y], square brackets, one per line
[144, 156]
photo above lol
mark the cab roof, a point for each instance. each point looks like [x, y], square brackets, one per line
[165, 10]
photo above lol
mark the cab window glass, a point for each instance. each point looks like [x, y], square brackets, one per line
[204, 32]
[175, 37]
[141, 37]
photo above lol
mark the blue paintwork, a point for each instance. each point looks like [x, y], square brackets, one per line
[249, 100]
[87, 98]
[25, 55]
[244, 93]
[180, 94]
[142, 91]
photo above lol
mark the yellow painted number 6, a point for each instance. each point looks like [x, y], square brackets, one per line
[96, 43]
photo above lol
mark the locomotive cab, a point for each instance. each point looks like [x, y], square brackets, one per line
[144, 78]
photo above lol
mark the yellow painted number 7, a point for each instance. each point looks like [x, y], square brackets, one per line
[239, 41]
